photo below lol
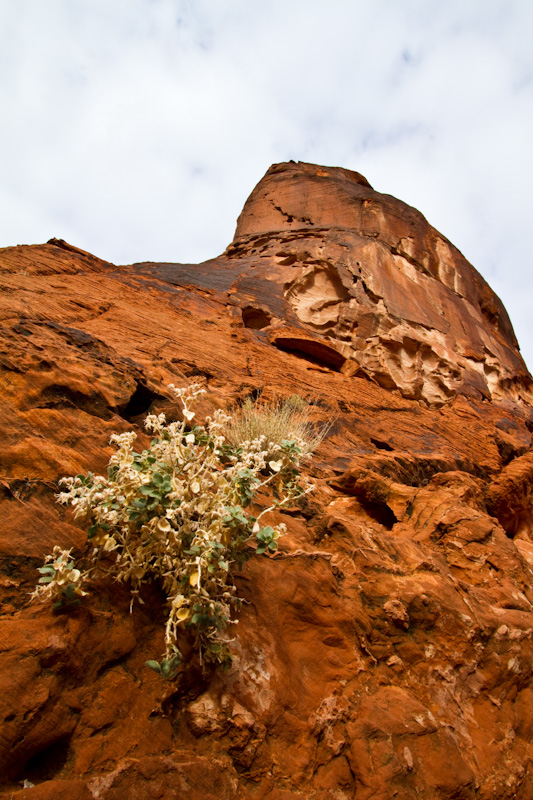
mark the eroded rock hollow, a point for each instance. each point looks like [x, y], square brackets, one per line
[385, 650]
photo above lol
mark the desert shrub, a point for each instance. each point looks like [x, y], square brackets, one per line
[180, 513]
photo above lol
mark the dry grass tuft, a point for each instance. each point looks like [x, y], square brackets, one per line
[285, 420]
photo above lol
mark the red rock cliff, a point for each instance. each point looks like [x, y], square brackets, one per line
[386, 650]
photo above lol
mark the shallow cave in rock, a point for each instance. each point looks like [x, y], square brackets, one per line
[380, 512]
[47, 763]
[255, 318]
[381, 445]
[312, 350]
[139, 402]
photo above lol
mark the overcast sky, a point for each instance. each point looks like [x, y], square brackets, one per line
[136, 129]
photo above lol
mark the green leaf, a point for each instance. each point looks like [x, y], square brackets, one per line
[46, 579]
[140, 502]
[290, 447]
[261, 548]
[246, 474]
[265, 534]
[150, 491]
[47, 569]
[168, 666]
[227, 662]
[64, 605]
[235, 517]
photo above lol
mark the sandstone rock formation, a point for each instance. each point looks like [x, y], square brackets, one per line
[386, 650]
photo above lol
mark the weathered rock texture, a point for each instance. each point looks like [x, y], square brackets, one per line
[386, 651]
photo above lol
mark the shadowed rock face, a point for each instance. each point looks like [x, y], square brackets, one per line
[386, 650]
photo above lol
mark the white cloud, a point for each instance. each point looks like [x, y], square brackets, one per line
[136, 128]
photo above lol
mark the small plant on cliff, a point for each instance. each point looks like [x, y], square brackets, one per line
[285, 420]
[180, 513]
[59, 580]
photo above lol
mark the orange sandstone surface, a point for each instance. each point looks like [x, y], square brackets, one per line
[386, 650]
